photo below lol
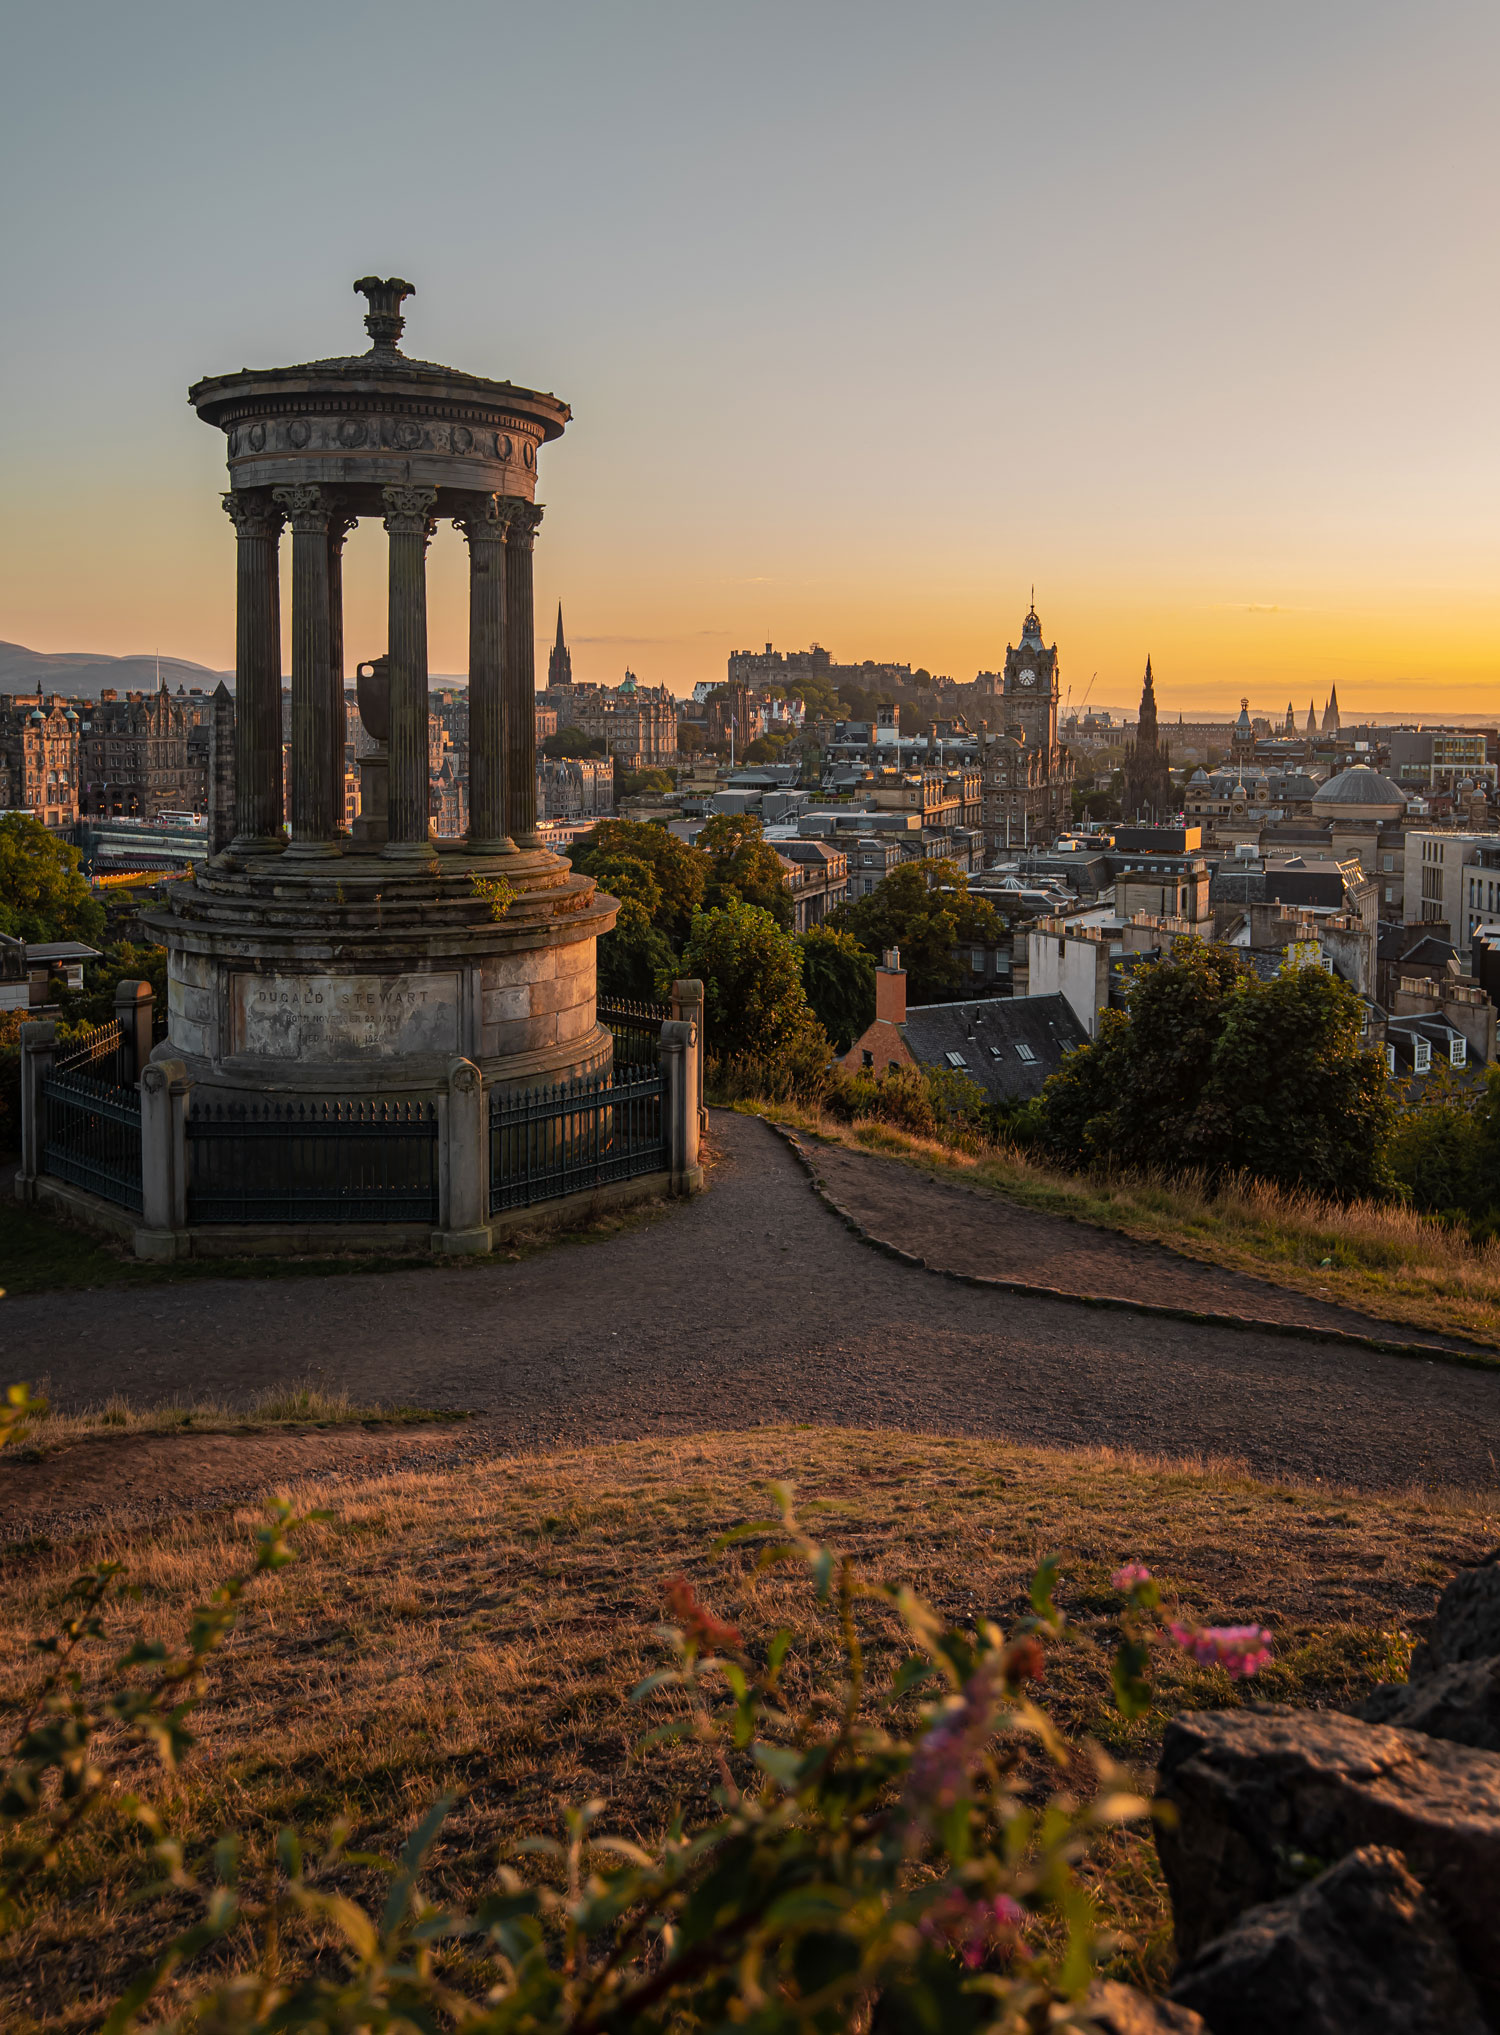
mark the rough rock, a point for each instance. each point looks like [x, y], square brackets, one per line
[1121, 2010]
[1359, 1951]
[1466, 1623]
[1461, 1702]
[1262, 1795]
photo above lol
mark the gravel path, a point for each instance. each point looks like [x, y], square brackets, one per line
[754, 1304]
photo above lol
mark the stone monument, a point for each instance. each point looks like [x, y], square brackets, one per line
[305, 959]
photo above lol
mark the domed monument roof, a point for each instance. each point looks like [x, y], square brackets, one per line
[1360, 786]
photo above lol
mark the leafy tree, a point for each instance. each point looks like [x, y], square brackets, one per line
[925, 909]
[751, 970]
[574, 742]
[636, 962]
[691, 740]
[681, 873]
[43, 895]
[1299, 1099]
[839, 978]
[628, 877]
[1212, 1068]
[632, 783]
[94, 1004]
[743, 864]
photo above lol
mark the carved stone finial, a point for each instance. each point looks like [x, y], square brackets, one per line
[383, 320]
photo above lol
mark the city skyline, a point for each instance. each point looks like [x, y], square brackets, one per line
[859, 346]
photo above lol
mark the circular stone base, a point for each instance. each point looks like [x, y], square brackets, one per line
[358, 977]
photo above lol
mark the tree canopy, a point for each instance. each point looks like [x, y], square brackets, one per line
[839, 978]
[751, 970]
[43, 894]
[743, 864]
[573, 742]
[680, 872]
[1211, 1068]
[925, 909]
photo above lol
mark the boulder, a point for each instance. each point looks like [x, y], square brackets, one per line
[1121, 2010]
[1361, 1950]
[1259, 1799]
[1466, 1623]
[1461, 1702]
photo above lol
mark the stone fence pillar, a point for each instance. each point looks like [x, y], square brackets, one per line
[164, 1092]
[679, 1065]
[38, 1050]
[465, 1161]
[687, 1006]
[134, 1003]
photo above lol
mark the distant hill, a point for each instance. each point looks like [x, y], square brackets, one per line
[88, 672]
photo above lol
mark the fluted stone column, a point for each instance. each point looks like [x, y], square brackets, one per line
[340, 522]
[519, 718]
[409, 525]
[484, 524]
[315, 814]
[257, 671]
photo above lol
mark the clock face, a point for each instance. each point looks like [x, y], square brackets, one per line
[1028, 678]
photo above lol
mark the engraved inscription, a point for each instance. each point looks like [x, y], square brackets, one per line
[345, 1017]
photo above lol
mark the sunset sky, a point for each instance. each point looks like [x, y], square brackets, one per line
[870, 316]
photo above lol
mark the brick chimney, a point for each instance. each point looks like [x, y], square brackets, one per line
[890, 989]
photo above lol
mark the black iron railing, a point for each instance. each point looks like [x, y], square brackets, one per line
[312, 1162]
[93, 1133]
[99, 1053]
[576, 1136]
[637, 1030]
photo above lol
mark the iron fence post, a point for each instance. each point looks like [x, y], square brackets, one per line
[679, 1078]
[38, 1050]
[164, 1092]
[465, 1170]
[133, 1001]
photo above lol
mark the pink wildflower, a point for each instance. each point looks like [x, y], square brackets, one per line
[944, 1758]
[1130, 1575]
[1239, 1650]
[971, 1926]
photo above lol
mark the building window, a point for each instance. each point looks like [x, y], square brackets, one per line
[1458, 1052]
[1390, 1059]
[868, 1059]
[1421, 1056]
[1024, 1052]
[955, 1059]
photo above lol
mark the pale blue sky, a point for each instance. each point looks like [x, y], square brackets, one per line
[869, 315]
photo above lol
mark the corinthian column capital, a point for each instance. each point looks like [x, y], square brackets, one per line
[408, 511]
[253, 515]
[482, 519]
[341, 520]
[523, 520]
[307, 508]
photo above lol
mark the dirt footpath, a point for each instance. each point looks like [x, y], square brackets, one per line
[754, 1305]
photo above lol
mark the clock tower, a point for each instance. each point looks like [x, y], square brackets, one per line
[1030, 687]
[1027, 773]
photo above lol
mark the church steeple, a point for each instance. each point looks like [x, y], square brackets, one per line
[560, 663]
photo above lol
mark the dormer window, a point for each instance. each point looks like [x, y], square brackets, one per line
[1458, 1052]
[1421, 1055]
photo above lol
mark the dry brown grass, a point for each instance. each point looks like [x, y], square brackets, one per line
[280, 1406]
[1379, 1257]
[474, 1632]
